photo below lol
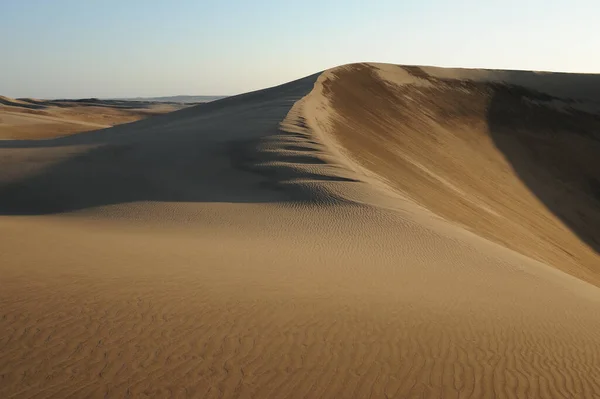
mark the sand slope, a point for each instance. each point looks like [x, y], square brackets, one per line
[511, 162]
[291, 243]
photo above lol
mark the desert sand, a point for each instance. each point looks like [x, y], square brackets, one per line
[371, 231]
[22, 119]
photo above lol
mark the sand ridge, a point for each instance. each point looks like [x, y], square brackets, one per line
[519, 173]
[256, 247]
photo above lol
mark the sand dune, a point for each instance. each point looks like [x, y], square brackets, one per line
[27, 118]
[512, 163]
[370, 231]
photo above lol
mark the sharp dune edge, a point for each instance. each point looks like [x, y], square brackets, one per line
[370, 231]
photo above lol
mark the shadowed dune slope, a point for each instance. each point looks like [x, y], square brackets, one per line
[372, 231]
[206, 153]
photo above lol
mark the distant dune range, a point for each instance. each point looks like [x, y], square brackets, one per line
[177, 99]
[30, 118]
[372, 231]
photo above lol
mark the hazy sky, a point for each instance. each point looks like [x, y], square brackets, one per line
[122, 48]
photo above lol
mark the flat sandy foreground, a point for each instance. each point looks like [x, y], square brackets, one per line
[372, 231]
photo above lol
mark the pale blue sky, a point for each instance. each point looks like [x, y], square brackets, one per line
[123, 48]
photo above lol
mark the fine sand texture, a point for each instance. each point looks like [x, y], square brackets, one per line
[27, 119]
[372, 231]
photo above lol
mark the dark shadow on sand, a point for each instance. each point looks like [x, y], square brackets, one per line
[553, 145]
[547, 126]
[206, 153]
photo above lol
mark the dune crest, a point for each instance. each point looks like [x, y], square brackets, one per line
[337, 236]
[506, 161]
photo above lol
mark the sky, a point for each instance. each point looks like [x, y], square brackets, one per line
[129, 48]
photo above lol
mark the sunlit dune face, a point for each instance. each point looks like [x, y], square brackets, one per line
[518, 166]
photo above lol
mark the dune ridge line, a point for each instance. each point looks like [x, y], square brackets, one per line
[373, 230]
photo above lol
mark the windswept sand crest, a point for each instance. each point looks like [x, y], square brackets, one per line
[244, 248]
[514, 165]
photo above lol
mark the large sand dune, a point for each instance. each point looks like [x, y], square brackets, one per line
[371, 231]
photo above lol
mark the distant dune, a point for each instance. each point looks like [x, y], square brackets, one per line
[28, 118]
[373, 230]
[178, 99]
